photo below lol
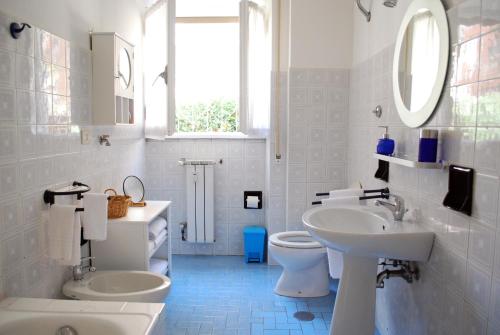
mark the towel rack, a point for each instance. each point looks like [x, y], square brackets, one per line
[384, 194]
[184, 162]
[381, 190]
[78, 190]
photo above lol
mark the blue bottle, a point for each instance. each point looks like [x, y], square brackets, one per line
[385, 145]
[427, 149]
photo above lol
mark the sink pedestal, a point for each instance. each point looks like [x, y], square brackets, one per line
[354, 311]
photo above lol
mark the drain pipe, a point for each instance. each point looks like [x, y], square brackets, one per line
[183, 226]
[402, 269]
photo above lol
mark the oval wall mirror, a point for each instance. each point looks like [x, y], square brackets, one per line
[420, 61]
[133, 187]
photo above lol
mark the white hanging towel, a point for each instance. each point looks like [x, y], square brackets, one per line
[156, 227]
[351, 200]
[95, 216]
[77, 235]
[335, 263]
[64, 234]
[348, 192]
[349, 196]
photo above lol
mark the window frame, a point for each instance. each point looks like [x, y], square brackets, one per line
[243, 112]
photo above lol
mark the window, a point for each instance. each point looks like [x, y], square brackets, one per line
[218, 74]
[207, 68]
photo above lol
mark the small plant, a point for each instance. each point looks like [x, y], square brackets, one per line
[217, 116]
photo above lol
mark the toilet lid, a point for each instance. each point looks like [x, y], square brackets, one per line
[294, 239]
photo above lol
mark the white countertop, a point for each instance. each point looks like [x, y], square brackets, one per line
[145, 214]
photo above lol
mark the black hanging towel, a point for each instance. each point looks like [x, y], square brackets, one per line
[382, 171]
[460, 186]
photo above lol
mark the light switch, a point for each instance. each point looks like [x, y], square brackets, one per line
[85, 135]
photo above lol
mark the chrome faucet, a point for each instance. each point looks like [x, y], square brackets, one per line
[104, 140]
[397, 208]
[79, 270]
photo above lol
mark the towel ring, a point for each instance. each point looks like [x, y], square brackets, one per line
[49, 195]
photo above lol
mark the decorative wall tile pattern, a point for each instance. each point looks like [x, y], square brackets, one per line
[44, 99]
[317, 121]
[243, 169]
[458, 292]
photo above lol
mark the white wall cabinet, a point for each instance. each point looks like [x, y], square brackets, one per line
[112, 79]
[126, 247]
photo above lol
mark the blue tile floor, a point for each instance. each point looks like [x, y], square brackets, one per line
[214, 295]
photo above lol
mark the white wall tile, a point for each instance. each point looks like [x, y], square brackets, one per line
[6, 40]
[25, 107]
[43, 45]
[481, 244]
[7, 105]
[485, 202]
[38, 149]
[25, 73]
[478, 285]
[7, 68]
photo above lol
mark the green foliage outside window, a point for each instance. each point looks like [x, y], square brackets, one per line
[217, 116]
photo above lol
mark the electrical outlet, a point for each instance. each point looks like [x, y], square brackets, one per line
[85, 136]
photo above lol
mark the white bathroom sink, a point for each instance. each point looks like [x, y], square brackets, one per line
[368, 231]
[363, 234]
[134, 286]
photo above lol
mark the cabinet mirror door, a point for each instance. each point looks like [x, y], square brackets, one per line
[124, 68]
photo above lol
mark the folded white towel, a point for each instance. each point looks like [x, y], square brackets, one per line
[348, 192]
[95, 216]
[64, 234]
[335, 263]
[352, 200]
[160, 237]
[151, 245]
[158, 265]
[156, 227]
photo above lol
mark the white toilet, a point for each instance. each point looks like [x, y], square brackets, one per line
[304, 262]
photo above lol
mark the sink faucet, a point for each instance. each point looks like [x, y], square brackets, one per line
[79, 270]
[397, 208]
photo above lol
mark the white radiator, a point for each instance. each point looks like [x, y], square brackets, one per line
[200, 202]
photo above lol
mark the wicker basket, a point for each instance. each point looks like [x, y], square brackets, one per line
[117, 204]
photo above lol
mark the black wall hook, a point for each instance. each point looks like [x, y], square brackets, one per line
[16, 29]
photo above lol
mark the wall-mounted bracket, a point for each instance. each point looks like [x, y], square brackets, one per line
[16, 29]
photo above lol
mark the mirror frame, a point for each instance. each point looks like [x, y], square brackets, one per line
[142, 184]
[416, 119]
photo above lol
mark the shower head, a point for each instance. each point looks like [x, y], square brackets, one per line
[390, 3]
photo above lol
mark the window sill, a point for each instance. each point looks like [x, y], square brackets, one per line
[228, 136]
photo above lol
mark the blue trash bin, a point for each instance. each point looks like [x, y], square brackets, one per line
[255, 243]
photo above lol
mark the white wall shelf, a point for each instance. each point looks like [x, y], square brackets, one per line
[410, 163]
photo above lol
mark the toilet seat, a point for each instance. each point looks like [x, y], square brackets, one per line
[294, 240]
